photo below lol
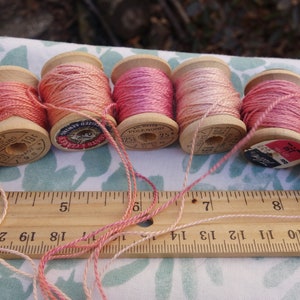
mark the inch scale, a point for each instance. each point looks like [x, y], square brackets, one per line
[38, 221]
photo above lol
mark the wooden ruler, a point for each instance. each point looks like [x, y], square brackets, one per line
[39, 221]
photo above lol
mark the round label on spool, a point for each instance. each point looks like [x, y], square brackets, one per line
[148, 131]
[79, 135]
[274, 153]
[22, 146]
[216, 134]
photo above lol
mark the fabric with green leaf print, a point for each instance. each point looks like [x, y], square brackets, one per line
[101, 169]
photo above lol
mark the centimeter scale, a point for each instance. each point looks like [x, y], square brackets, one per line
[38, 221]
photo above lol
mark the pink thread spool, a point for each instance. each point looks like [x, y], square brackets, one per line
[274, 147]
[71, 131]
[22, 140]
[145, 130]
[218, 131]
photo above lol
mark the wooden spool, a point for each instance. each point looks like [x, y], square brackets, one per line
[218, 133]
[145, 131]
[21, 140]
[74, 132]
[273, 147]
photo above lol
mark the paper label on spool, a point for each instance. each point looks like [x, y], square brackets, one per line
[148, 136]
[275, 153]
[83, 134]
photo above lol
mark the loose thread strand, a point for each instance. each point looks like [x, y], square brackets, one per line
[181, 194]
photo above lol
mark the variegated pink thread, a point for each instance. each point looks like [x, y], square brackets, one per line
[204, 92]
[143, 90]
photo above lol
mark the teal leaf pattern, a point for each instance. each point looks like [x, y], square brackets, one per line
[72, 288]
[293, 174]
[142, 51]
[12, 288]
[16, 57]
[181, 56]
[96, 162]
[118, 181]
[157, 180]
[173, 62]
[204, 187]
[189, 278]
[237, 83]
[9, 173]
[242, 64]
[16, 263]
[163, 279]
[50, 43]
[214, 271]
[214, 159]
[82, 49]
[44, 176]
[293, 293]
[237, 166]
[109, 59]
[281, 272]
[57, 172]
[56, 264]
[121, 275]
[197, 162]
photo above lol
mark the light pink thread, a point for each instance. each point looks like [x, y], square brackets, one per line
[201, 90]
[180, 195]
[284, 115]
[143, 90]
[227, 156]
[238, 146]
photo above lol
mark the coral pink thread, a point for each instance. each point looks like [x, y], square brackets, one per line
[19, 99]
[115, 228]
[81, 87]
[204, 91]
[141, 90]
[133, 220]
[284, 115]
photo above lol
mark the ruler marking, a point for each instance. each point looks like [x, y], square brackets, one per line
[231, 240]
[17, 198]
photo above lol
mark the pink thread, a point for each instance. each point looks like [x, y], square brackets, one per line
[102, 241]
[19, 99]
[115, 228]
[142, 90]
[286, 114]
[81, 87]
[50, 290]
[181, 194]
[204, 91]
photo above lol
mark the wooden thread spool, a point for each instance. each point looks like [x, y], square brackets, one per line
[217, 133]
[21, 140]
[273, 147]
[74, 132]
[148, 130]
